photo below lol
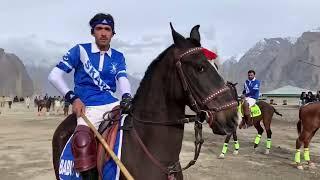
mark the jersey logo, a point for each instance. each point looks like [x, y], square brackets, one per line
[113, 68]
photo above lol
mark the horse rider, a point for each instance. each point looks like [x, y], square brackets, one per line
[97, 69]
[46, 97]
[251, 90]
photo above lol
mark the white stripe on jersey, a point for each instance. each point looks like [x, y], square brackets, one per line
[91, 71]
[101, 62]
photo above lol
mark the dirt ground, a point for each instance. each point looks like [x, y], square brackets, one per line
[25, 150]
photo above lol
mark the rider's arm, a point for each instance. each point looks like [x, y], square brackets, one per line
[124, 85]
[244, 89]
[57, 80]
[68, 62]
[121, 76]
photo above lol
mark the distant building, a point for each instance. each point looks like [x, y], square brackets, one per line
[290, 94]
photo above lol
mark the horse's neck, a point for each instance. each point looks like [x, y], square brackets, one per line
[165, 141]
[153, 106]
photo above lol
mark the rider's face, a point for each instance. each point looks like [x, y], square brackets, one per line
[102, 34]
[250, 76]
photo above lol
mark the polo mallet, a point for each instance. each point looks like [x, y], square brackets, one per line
[109, 150]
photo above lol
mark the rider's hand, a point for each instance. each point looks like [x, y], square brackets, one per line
[78, 107]
[125, 102]
[243, 96]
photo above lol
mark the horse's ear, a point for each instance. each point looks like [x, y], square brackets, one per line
[194, 34]
[178, 39]
[215, 64]
[235, 84]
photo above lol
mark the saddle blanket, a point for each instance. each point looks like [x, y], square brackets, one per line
[255, 110]
[110, 170]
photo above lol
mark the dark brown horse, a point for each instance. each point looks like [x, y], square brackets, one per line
[154, 128]
[267, 112]
[307, 126]
[44, 103]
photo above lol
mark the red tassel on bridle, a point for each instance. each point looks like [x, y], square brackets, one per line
[209, 54]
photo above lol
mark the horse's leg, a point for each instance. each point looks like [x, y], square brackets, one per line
[297, 155]
[267, 126]
[302, 139]
[225, 146]
[306, 153]
[236, 143]
[47, 111]
[259, 135]
[39, 110]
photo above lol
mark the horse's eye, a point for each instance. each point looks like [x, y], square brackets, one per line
[200, 68]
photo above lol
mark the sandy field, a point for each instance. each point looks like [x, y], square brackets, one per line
[25, 149]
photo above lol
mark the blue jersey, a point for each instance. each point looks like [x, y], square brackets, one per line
[252, 88]
[95, 72]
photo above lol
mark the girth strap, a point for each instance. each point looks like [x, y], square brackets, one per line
[175, 168]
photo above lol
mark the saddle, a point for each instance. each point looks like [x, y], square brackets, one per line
[108, 129]
[255, 110]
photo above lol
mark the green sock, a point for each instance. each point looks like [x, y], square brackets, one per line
[257, 140]
[268, 143]
[306, 154]
[297, 156]
[236, 145]
[225, 148]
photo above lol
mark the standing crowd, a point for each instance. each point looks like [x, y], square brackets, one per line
[56, 101]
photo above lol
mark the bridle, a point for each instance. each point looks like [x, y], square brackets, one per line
[198, 119]
[203, 102]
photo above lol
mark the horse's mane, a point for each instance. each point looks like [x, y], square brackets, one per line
[149, 72]
[153, 65]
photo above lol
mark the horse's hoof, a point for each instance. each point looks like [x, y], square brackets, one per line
[267, 152]
[312, 165]
[300, 167]
[235, 152]
[255, 150]
[221, 156]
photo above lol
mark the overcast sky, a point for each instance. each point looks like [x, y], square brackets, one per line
[142, 27]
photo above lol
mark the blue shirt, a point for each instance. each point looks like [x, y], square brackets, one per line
[252, 88]
[95, 72]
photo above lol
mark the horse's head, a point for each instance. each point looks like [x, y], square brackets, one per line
[232, 87]
[200, 85]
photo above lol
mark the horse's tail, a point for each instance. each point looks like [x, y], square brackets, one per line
[277, 113]
[299, 127]
[299, 124]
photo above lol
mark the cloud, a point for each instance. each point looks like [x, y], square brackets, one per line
[33, 51]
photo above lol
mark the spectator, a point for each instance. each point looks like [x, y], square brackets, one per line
[9, 100]
[16, 99]
[2, 100]
[310, 97]
[66, 107]
[303, 97]
[27, 101]
[318, 96]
